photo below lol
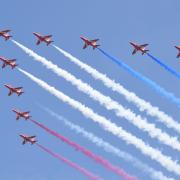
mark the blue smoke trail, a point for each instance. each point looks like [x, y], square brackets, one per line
[147, 81]
[169, 69]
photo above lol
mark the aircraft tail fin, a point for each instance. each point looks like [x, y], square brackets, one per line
[49, 42]
[28, 117]
[94, 47]
[20, 93]
[145, 51]
[7, 37]
[13, 66]
[33, 142]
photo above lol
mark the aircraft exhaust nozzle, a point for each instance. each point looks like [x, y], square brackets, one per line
[14, 66]
[49, 42]
[7, 38]
[33, 142]
[20, 93]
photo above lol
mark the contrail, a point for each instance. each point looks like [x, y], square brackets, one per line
[107, 102]
[169, 69]
[86, 152]
[154, 174]
[147, 81]
[87, 173]
[129, 96]
[109, 126]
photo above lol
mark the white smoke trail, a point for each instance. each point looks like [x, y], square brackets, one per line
[107, 102]
[154, 174]
[107, 125]
[129, 96]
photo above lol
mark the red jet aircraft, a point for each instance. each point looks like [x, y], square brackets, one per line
[5, 34]
[139, 48]
[178, 47]
[10, 62]
[20, 114]
[17, 90]
[30, 139]
[89, 42]
[41, 38]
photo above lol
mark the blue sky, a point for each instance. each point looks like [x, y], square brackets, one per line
[115, 23]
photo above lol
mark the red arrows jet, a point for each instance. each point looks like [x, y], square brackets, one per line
[30, 139]
[5, 34]
[139, 48]
[88, 42]
[17, 90]
[178, 47]
[41, 38]
[20, 114]
[10, 62]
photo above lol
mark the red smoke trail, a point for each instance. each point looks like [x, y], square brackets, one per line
[77, 167]
[88, 153]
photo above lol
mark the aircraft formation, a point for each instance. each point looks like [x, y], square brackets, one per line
[47, 39]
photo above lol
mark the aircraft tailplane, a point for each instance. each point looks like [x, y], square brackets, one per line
[7, 38]
[94, 47]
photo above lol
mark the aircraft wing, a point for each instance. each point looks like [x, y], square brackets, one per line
[143, 45]
[4, 65]
[134, 52]
[85, 46]
[32, 137]
[18, 88]
[178, 55]
[10, 92]
[38, 42]
[23, 142]
[26, 112]
[13, 60]
[94, 40]
[6, 31]
[48, 36]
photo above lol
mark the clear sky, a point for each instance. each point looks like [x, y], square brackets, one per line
[115, 23]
